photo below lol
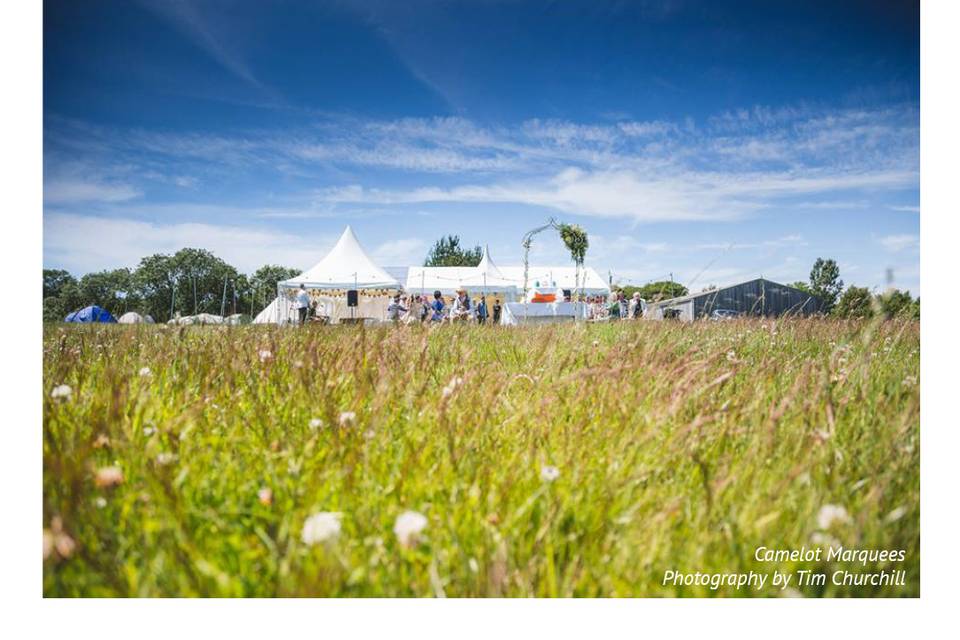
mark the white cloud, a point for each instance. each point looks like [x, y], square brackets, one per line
[899, 242]
[400, 252]
[82, 244]
[71, 190]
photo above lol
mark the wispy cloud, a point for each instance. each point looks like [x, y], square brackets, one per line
[900, 242]
[73, 190]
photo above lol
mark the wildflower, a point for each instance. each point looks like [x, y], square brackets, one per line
[895, 515]
[348, 419]
[315, 423]
[408, 526]
[149, 431]
[56, 539]
[145, 372]
[100, 502]
[101, 441]
[452, 386]
[549, 474]
[731, 356]
[61, 392]
[321, 527]
[108, 477]
[265, 496]
[265, 355]
[830, 513]
[596, 343]
[165, 457]
[474, 565]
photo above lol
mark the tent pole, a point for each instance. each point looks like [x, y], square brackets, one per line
[223, 300]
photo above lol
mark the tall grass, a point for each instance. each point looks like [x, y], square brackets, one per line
[679, 447]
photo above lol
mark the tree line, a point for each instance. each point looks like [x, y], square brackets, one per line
[188, 282]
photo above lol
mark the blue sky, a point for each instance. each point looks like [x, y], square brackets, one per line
[717, 141]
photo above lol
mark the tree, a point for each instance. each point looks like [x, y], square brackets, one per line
[191, 281]
[447, 252]
[802, 286]
[263, 284]
[54, 280]
[856, 302]
[825, 282]
[898, 304]
[113, 290]
[655, 291]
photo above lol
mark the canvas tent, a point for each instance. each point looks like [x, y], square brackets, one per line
[347, 266]
[565, 277]
[132, 317]
[92, 313]
[271, 313]
[485, 278]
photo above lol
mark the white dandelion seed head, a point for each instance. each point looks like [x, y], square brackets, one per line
[830, 514]
[100, 502]
[315, 423]
[61, 392]
[321, 528]
[549, 474]
[408, 527]
[348, 418]
[145, 372]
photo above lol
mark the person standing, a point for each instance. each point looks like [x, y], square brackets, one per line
[461, 309]
[395, 308]
[437, 307]
[497, 311]
[482, 310]
[303, 303]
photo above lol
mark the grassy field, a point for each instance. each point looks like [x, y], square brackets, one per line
[566, 460]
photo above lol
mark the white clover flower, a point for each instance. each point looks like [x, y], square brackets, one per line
[61, 392]
[265, 496]
[831, 513]
[348, 419]
[108, 477]
[315, 423]
[549, 474]
[145, 372]
[265, 355]
[408, 526]
[165, 457]
[322, 527]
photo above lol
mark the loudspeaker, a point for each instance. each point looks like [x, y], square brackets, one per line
[567, 293]
[353, 298]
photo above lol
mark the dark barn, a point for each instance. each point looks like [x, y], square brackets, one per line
[758, 297]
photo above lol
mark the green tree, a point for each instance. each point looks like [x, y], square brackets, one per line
[263, 284]
[654, 291]
[825, 282]
[191, 280]
[856, 302]
[802, 286]
[898, 304]
[447, 252]
[54, 280]
[114, 290]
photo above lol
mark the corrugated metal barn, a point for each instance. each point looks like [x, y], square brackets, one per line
[758, 297]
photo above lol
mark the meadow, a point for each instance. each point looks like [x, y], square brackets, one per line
[563, 460]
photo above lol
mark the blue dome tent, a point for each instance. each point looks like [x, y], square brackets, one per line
[90, 314]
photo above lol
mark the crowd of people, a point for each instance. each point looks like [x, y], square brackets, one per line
[411, 309]
[421, 309]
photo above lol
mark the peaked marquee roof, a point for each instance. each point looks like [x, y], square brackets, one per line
[347, 266]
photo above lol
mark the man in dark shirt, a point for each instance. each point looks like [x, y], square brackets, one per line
[497, 309]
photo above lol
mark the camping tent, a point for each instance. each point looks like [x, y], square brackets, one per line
[90, 314]
[347, 266]
[201, 318]
[237, 319]
[486, 277]
[132, 317]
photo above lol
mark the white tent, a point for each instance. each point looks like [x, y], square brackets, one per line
[271, 314]
[347, 266]
[132, 317]
[486, 277]
[201, 319]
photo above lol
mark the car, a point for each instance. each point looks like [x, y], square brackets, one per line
[724, 314]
